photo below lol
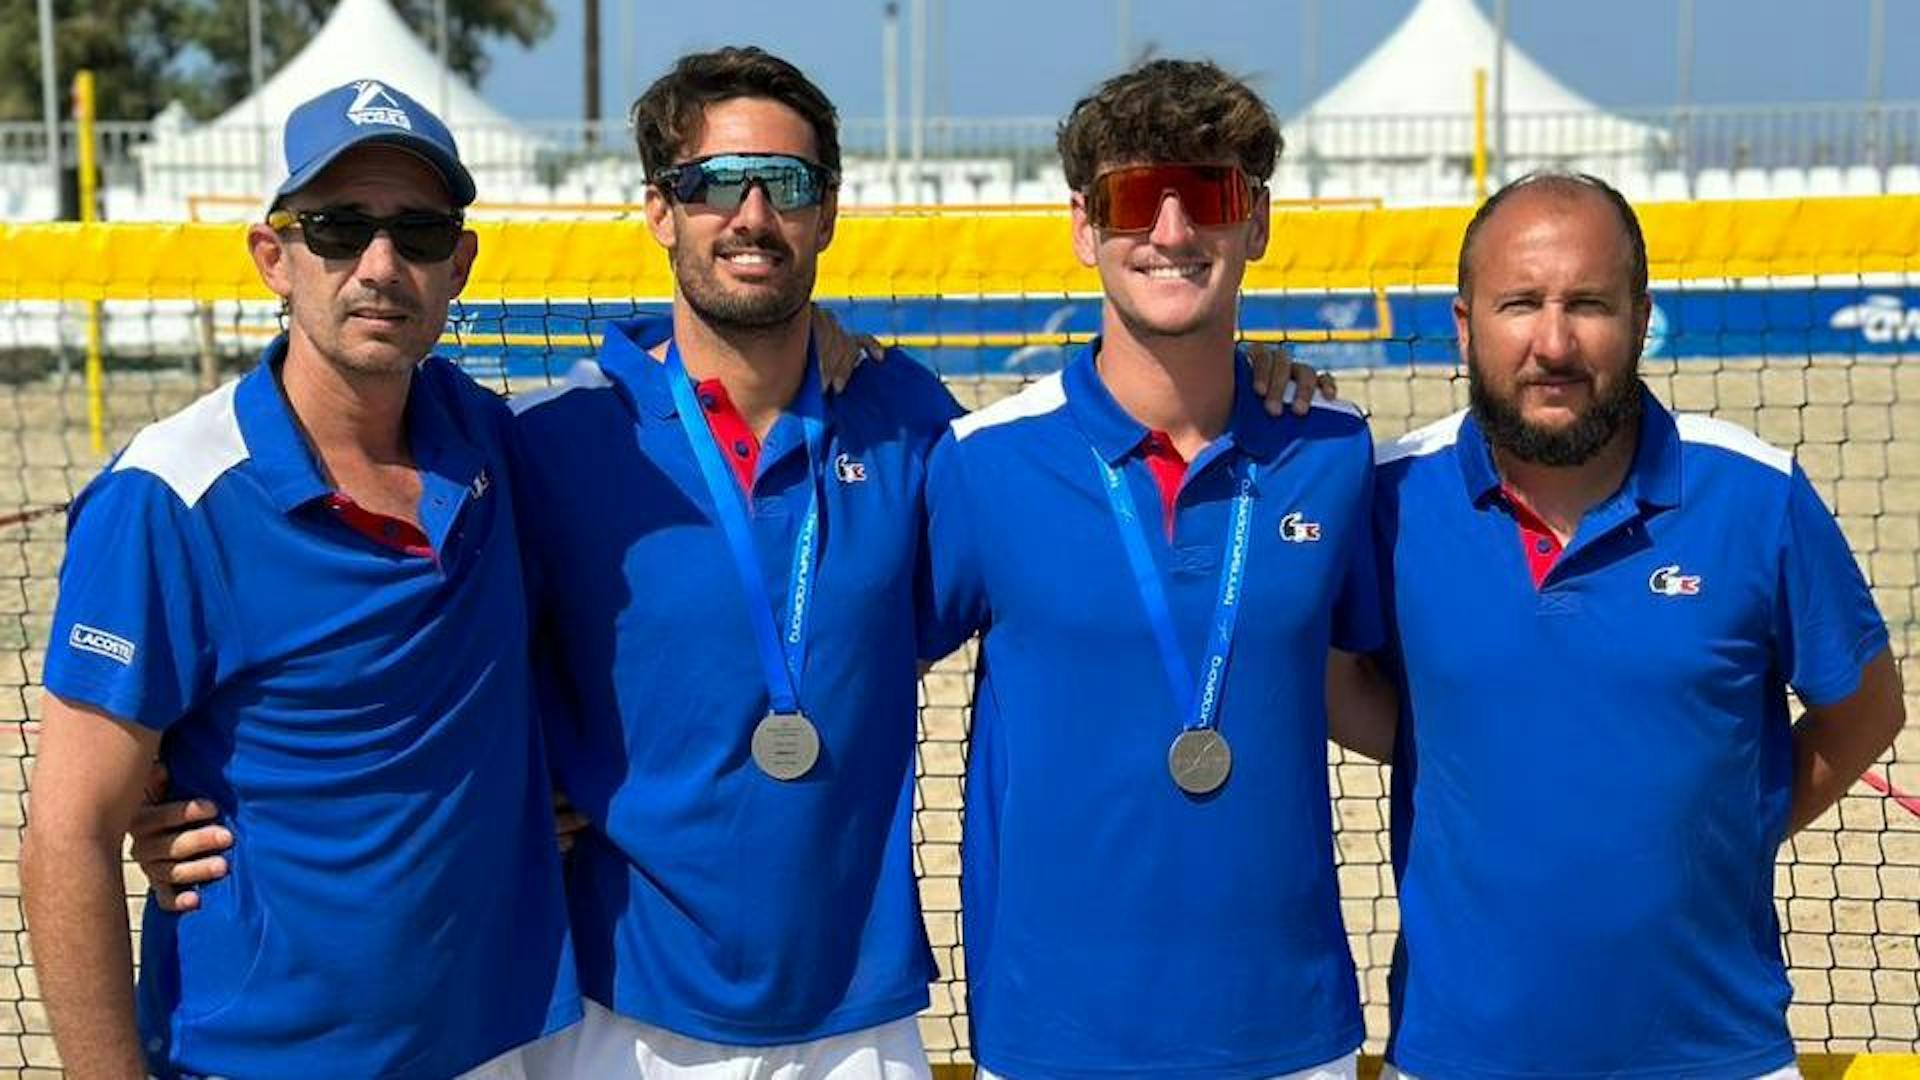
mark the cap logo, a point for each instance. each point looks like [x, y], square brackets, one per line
[373, 105]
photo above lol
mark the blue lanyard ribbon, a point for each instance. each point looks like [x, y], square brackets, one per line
[783, 648]
[1203, 708]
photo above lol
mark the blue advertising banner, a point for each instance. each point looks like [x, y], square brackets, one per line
[1032, 335]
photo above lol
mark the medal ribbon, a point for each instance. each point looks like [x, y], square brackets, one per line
[782, 648]
[1203, 707]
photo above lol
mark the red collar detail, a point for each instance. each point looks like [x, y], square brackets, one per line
[389, 532]
[1537, 541]
[737, 442]
[1169, 470]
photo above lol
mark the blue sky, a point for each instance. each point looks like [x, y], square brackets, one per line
[1034, 57]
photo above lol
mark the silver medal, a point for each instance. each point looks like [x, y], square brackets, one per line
[785, 745]
[1200, 761]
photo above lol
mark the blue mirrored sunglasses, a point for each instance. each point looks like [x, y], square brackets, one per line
[722, 181]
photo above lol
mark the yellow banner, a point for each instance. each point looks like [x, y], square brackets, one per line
[957, 253]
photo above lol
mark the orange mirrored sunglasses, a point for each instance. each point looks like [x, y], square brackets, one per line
[1128, 199]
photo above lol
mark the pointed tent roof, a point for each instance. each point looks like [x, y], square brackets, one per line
[1425, 69]
[361, 39]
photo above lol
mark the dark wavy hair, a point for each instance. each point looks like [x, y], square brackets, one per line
[667, 118]
[1169, 111]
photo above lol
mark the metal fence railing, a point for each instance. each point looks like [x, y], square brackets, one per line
[973, 160]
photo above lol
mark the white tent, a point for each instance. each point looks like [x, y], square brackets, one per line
[1412, 97]
[239, 152]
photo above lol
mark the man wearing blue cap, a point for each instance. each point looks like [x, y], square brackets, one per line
[303, 593]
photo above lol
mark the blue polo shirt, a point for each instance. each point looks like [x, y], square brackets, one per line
[1592, 777]
[711, 899]
[1114, 924]
[362, 717]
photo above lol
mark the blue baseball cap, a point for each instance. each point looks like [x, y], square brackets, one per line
[367, 112]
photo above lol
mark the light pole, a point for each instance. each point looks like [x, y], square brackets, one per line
[257, 74]
[890, 87]
[440, 50]
[50, 100]
[917, 136]
[1683, 87]
[1876, 79]
[1500, 97]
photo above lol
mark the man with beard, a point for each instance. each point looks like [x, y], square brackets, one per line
[728, 559]
[1594, 764]
[303, 592]
[1161, 569]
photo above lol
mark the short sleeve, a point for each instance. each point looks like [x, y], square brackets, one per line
[934, 403]
[1826, 624]
[952, 589]
[131, 632]
[1358, 620]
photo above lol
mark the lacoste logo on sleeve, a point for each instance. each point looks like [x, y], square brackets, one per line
[100, 643]
[1669, 581]
[1296, 529]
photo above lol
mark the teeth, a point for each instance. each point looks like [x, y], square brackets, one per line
[749, 258]
[1173, 273]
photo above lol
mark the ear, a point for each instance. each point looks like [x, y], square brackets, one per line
[659, 211]
[1642, 318]
[463, 255]
[1086, 238]
[1261, 227]
[1462, 325]
[829, 219]
[270, 259]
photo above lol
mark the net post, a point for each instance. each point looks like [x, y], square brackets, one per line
[1479, 135]
[83, 121]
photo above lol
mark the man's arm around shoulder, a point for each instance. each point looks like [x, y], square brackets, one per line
[88, 781]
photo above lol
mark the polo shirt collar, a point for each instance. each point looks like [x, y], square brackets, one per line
[1653, 479]
[1655, 474]
[276, 449]
[284, 463]
[1115, 434]
[624, 358]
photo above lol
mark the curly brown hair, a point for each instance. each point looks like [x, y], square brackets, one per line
[667, 118]
[1169, 111]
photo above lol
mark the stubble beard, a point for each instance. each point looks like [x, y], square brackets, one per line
[752, 311]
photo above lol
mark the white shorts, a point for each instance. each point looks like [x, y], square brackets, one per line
[518, 1063]
[607, 1046]
[1790, 1072]
[1340, 1068]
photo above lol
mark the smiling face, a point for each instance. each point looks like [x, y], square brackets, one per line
[376, 314]
[751, 267]
[1176, 278]
[1551, 327]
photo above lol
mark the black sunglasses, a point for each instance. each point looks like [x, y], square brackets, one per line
[335, 232]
